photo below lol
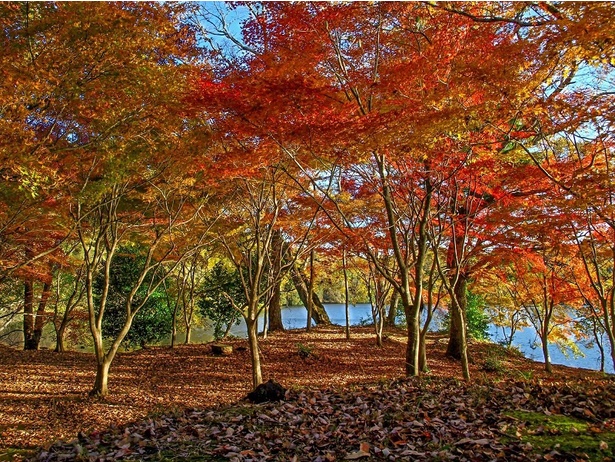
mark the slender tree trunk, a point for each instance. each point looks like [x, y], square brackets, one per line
[61, 329]
[608, 311]
[423, 353]
[346, 297]
[188, 312]
[39, 322]
[257, 377]
[458, 313]
[28, 315]
[228, 330]
[413, 368]
[275, 304]
[60, 333]
[544, 331]
[174, 329]
[310, 300]
[319, 315]
[545, 352]
[265, 321]
[423, 340]
[392, 314]
[379, 329]
[458, 344]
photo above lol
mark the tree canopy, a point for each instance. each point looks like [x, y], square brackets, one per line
[453, 148]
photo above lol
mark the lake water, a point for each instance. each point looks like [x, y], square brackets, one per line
[295, 317]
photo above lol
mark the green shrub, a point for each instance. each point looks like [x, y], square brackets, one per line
[153, 321]
[476, 318]
[492, 364]
[220, 286]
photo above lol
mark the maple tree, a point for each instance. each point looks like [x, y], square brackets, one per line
[541, 285]
[69, 293]
[69, 101]
[425, 138]
[566, 131]
[184, 288]
[343, 105]
[252, 222]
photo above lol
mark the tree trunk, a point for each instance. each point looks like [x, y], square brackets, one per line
[28, 315]
[346, 297]
[379, 328]
[423, 352]
[265, 321]
[457, 344]
[275, 309]
[545, 352]
[227, 331]
[60, 345]
[310, 293]
[257, 377]
[188, 313]
[275, 304]
[412, 350]
[457, 319]
[392, 314]
[102, 378]
[459, 314]
[423, 339]
[39, 322]
[319, 315]
[174, 325]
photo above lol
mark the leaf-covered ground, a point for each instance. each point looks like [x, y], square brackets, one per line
[344, 402]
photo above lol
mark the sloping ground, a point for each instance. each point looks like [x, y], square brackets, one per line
[43, 395]
[406, 419]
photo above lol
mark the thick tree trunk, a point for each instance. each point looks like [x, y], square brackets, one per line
[275, 309]
[102, 378]
[319, 315]
[454, 348]
[413, 368]
[188, 334]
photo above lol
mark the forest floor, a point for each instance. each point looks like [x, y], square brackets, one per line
[346, 400]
